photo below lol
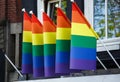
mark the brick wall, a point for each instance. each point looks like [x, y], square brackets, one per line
[10, 10]
[2, 10]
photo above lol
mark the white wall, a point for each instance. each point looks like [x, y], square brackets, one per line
[96, 78]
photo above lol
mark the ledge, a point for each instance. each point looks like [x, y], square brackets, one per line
[111, 44]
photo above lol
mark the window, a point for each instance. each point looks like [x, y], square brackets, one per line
[107, 18]
[51, 10]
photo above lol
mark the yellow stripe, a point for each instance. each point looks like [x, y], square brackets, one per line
[97, 36]
[81, 29]
[27, 36]
[37, 39]
[49, 37]
[63, 33]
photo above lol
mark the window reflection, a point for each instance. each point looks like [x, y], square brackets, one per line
[113, 18]
[99, 17]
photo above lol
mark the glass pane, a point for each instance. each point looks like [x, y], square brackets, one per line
[99, 17]
[113, 18]
[53, 9]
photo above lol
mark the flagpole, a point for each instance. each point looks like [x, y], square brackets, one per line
[13, 65]
[101, 63]
[106, 48]
[109, 53]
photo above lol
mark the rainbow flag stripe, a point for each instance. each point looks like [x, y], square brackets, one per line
[37, 47]
[83, 42]
[27, 45]
[49, 46]
[62, 43]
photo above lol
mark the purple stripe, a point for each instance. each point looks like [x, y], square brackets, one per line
[50, 72]
[27, 69]
[83, 64]
[64, 69]
[38, 72]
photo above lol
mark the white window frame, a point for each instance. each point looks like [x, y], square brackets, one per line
[111, 43]
[40, 9]
[52, 1]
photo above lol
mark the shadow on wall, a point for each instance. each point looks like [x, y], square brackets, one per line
[2, 66]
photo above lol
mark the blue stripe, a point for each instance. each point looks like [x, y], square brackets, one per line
[62, 57]
[26, 58]
[38, 61]
[49, 61]
[83, 53]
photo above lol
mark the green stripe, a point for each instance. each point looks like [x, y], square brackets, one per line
[27, 47]
[83, 41]
[37, 50]
[63, 45]
[49, 49]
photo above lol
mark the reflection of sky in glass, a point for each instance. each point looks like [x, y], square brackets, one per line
[113, 18]
[99, 16]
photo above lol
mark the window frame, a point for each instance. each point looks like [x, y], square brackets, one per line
[50, 2]
[111, 43]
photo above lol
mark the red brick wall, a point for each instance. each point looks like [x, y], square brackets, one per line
[11, 9]
[2, 10]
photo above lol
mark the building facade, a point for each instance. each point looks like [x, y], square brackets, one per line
[103, 15]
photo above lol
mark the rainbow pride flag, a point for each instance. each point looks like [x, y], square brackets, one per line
[49, 46]
[37, 47]
[62, 43]
[27, 45]
[83, 42]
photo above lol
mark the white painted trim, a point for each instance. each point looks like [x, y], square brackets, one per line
[89, 10]
[40, 6]
[111, 44]
[106, 25]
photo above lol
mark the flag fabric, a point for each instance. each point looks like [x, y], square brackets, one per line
[62, 43]
[37, 47]
[49, 36]
[83, 42]
[27, 45]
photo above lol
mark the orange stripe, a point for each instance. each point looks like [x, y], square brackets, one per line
[62, 20]
[27, 25]
[36, 28]
[48, 27]
[46, 18]
[77, 15]
[36, 25]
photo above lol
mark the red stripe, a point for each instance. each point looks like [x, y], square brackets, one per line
[26, 22]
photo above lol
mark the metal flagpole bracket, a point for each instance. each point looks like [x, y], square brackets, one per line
[13, 65]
